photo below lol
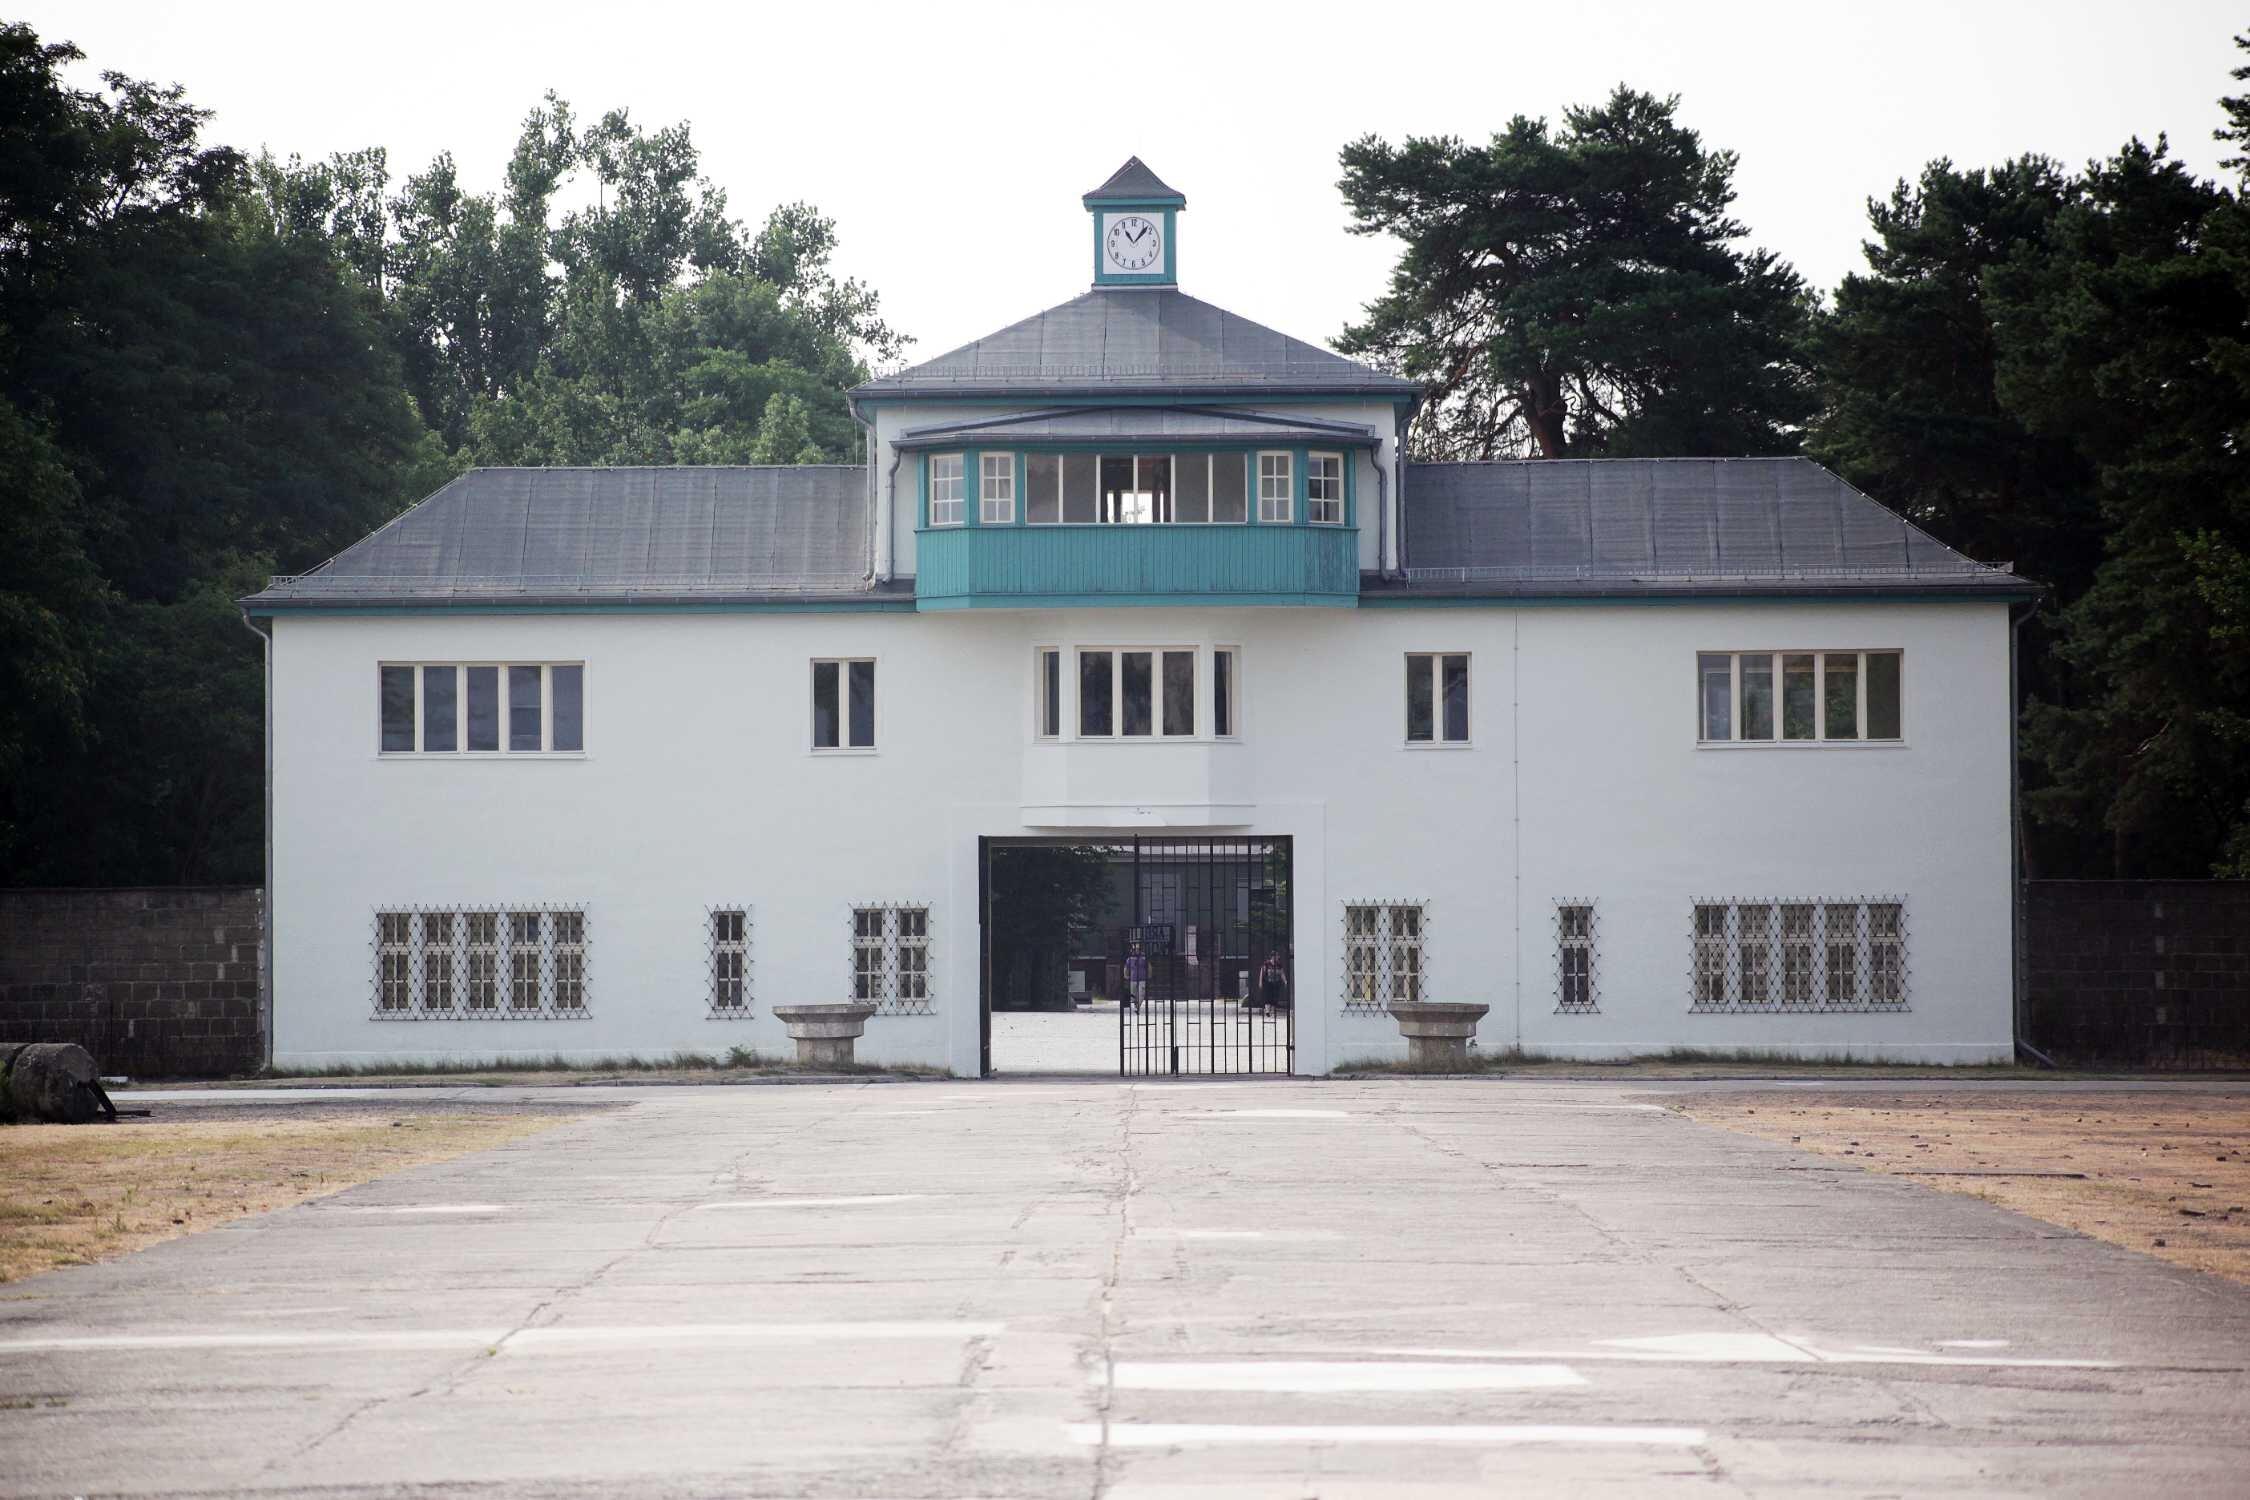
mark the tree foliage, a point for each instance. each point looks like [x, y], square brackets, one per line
[1578, 292]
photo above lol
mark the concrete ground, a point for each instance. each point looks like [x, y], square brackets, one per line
[1399, 1287]
[1056, 1041]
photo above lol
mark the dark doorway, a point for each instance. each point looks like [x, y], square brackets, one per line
[1140, 957]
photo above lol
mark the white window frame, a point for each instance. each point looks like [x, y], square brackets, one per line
[844, 745]
[1437, 739]
[1734, 739]
[1748, 955]
[1197, 709]
[892, 957]
[954, 500]
[1000, 469]
[1384, 963]
[1283, 511]
[461, 750]
[1062, 699]
[475, 962]
[1316, 481]
[1232, 689]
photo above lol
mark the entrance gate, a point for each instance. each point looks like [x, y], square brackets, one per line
[1195, 947]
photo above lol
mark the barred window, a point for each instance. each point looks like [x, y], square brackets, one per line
[728, 931]
[891, 958]
[455, 963]
[1574, 956]
[1799, 955]
[1384, 956]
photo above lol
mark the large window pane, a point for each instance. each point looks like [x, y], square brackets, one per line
[1179, 692]
[1121, 504]
[862, 677]
[1456, 698]
[1222, 693]
[1421, 705]
[948, 489]
[996, 489]
[484, 708]
[523, 708]
[1842, 692]
[1095, 718]
[1230, 488]
[397, 697]
[1797, 697]
[1757, 696]
[827, 716]
[1152, 476]
[1191, 488]
[1139, 710]
[1042, 482]
[1080, 489]
[1882, 695]
[1715, 672]
[1050, 693]
[441, 708]
[570, 707]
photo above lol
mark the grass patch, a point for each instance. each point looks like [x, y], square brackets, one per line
[736, 1064]
[1686, 1061]
[73, 1194]
[2167, 1174]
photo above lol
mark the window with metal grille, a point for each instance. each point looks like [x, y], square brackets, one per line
[891, 958]
[454, 963]
[1574, 956]
[727, 964]
[1385, 953]
[1800, 955]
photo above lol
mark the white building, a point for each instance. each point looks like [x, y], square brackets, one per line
[1646, 755]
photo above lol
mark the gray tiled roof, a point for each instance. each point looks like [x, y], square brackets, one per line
[642, 534]
[1668, 525]
[1142, 341]
[1132, 183]
[1140, 424]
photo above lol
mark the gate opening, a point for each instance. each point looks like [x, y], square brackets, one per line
[1138, 957]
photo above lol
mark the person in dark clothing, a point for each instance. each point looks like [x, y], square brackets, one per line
[1273, 983]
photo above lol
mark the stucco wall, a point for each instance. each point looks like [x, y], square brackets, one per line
[1583, 780]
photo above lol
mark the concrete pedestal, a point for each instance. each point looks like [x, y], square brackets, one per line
[824, 1033]
[1437, 1033]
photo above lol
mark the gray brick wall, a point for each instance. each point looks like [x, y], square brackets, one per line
[2133, 972]
[155, 982]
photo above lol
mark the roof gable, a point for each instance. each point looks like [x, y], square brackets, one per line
[1135, 183]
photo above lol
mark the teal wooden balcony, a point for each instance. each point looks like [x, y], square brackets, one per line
[1046, 567]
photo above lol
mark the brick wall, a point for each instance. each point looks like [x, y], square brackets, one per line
[156, 983]
[2132, 972]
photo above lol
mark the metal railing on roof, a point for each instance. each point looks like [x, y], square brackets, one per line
[1592, 573]
[337, 585]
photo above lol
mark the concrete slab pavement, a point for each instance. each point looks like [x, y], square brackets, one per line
[1396, 1287]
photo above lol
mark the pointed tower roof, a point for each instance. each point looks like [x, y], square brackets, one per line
[1135, 183]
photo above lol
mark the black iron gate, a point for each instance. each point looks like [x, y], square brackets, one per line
[1206, 974]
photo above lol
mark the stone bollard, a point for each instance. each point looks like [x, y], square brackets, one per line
[1437, 1033]
[825, 1033]
[51, 1083]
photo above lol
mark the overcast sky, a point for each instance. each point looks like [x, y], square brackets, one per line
[951, 141]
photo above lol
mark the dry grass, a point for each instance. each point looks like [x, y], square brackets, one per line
[2166, 1174]
[72, 1194]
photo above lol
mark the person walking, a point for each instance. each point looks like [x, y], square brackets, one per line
[1136, 977]
[1273, 983]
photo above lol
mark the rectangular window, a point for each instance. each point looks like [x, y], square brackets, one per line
[1050, 694]
[1230, 488]
[843, 705]
[891, 958]
[729, 932]
[1800, 955]
[1224, 674]
[996, 489]
[437, 960]
[1179, 692]
[1437, 698]
[1137, 693]
[484, 708]
[1383, 954]
[525, 721]
[1324, 489]
[483, 990]
[1277, 488]
[524, 957]
[570, 959]
[1574, 955]
[1042, 488]
[396, 694]
[1096, 712]
[425, 708]
[1138, 710]
[394, 982]
[441, 708]
[1191, 488]
[1121, 503]
[1824, 696]
[1081, 489]
[948, 489]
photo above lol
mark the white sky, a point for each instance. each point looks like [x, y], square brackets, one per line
[951, 141]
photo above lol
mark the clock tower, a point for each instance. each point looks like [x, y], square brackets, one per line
[1135, 219]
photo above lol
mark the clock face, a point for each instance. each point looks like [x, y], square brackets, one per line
[1132, 242]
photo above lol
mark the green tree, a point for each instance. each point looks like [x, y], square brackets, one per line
[1572, 292]
[784, 433]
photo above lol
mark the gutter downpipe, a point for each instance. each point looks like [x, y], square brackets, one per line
[266, 929]
[890, 516]
[1398, 466]
[869, 429]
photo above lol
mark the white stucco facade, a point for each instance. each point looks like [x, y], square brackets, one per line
[1583, 779]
